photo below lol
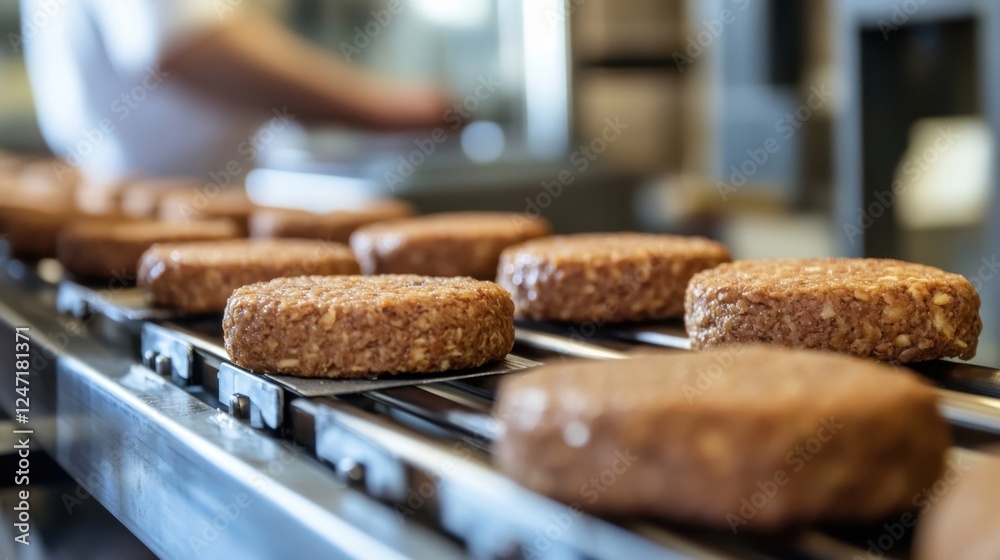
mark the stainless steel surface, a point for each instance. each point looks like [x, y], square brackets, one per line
[189, 481]
[239, 406]
[565, 345]
[961, 376]
[971, 411]
[497, 517]
[432, 405]
[187, 358]
[259, 400]
[666, 334]
[313, 387]
[115, 301]
[167, 355]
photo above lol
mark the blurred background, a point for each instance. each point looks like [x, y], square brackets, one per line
[781, 127]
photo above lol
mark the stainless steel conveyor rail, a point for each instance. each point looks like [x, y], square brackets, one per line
[187, 479]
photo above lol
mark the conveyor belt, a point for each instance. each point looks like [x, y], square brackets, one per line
[373, 468]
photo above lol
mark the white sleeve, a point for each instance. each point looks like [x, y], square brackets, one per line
[138, 33]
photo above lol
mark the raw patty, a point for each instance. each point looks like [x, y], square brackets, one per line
[883, 309]
[362, 326]
[450, 244]
[100, 250]
[333, 226]
[203, 204]
[611, 277]
[755, 438]
[200, 276]
[31, 233]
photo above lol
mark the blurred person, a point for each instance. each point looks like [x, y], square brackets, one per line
[167, 88]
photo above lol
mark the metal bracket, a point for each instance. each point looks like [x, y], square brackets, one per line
[163, 353]
[357, 459]
[252, 397]
[72, 300]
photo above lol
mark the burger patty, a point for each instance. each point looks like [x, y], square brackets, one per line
[355, 326]
[452, 244]
[31, 233]
[100, 250]
[332, 226]
[610, 277]
[754, 438]
[200, 276]
[883, 309]
[203, 204]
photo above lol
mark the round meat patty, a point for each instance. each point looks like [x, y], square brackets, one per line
[363, 326]
[960, 511]
[199, 277]
[753, 438]
[100, 250]
[450, 244]
[332, 226]
[883, 309]
[31, 233]
[610, 277]
[230, 203]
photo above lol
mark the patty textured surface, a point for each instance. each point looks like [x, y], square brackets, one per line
[704, 437]
[363, 326]
[611, 277]
[449, 244]
[332, 226]
[961, 522]
[883, 309]
[200, 276]
[95, 250]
